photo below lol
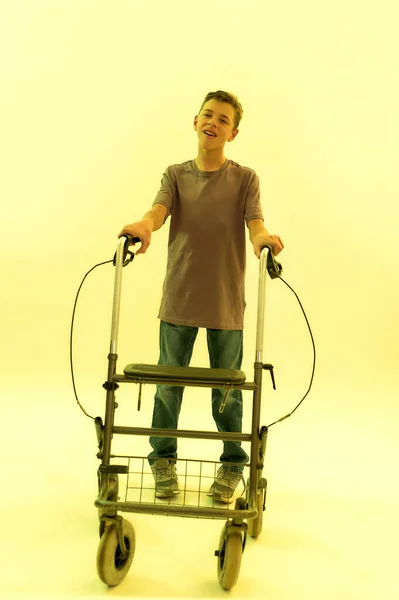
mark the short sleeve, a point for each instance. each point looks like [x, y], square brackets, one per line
[253, 208]
[167, 191]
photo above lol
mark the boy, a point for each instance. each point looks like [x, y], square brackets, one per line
[209, 199]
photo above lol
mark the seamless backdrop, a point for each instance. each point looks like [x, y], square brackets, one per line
[97, 99]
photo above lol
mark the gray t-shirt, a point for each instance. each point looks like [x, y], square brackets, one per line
[205, 276]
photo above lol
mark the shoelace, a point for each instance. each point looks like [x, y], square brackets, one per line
[165, 472]
[162, 472]
[231, 478]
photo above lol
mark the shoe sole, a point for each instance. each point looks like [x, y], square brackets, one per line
[220, 498]
[166, 493]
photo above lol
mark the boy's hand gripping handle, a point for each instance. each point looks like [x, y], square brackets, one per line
[274, 268]
[128, 256]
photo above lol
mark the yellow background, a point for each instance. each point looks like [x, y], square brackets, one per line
[97, 99]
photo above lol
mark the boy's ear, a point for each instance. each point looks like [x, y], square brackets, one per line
[234, 135]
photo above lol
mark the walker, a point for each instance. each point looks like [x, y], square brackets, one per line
[117, 536]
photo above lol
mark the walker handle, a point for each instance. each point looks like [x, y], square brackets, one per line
[130, 239]
[274, 268]
[128, 256]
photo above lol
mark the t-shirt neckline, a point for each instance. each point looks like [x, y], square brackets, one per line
[208, 173]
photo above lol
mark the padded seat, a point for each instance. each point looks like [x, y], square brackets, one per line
[185, 374]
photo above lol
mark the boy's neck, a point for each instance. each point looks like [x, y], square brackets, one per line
[208, 161]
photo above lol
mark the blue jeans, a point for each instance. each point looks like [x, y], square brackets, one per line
[225, 351]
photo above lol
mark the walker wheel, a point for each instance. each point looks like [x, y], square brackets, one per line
[255, 525]
[229, 558]
[112, 566]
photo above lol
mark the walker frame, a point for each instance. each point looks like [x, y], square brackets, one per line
[117, 538]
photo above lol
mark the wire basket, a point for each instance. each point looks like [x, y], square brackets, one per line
[195, 479]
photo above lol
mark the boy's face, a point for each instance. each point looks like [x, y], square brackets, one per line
[218, 118]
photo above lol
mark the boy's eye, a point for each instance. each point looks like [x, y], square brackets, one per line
[221, 120]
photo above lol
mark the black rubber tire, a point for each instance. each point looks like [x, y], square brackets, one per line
[229, 559]
[112, 568]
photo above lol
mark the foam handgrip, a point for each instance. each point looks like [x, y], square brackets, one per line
[130, 239]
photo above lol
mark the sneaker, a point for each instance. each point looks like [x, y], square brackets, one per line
[226, 481]
[166, 482]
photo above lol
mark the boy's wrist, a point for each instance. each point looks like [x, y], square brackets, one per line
[148, 223]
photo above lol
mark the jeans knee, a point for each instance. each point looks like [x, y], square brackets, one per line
[231, 415]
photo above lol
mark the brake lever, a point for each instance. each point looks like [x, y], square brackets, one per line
[274, 268]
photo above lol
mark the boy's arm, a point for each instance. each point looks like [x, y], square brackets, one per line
[260, 237]
[157, 216]
[152, 221]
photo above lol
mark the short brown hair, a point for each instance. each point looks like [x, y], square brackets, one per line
[230, 99]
